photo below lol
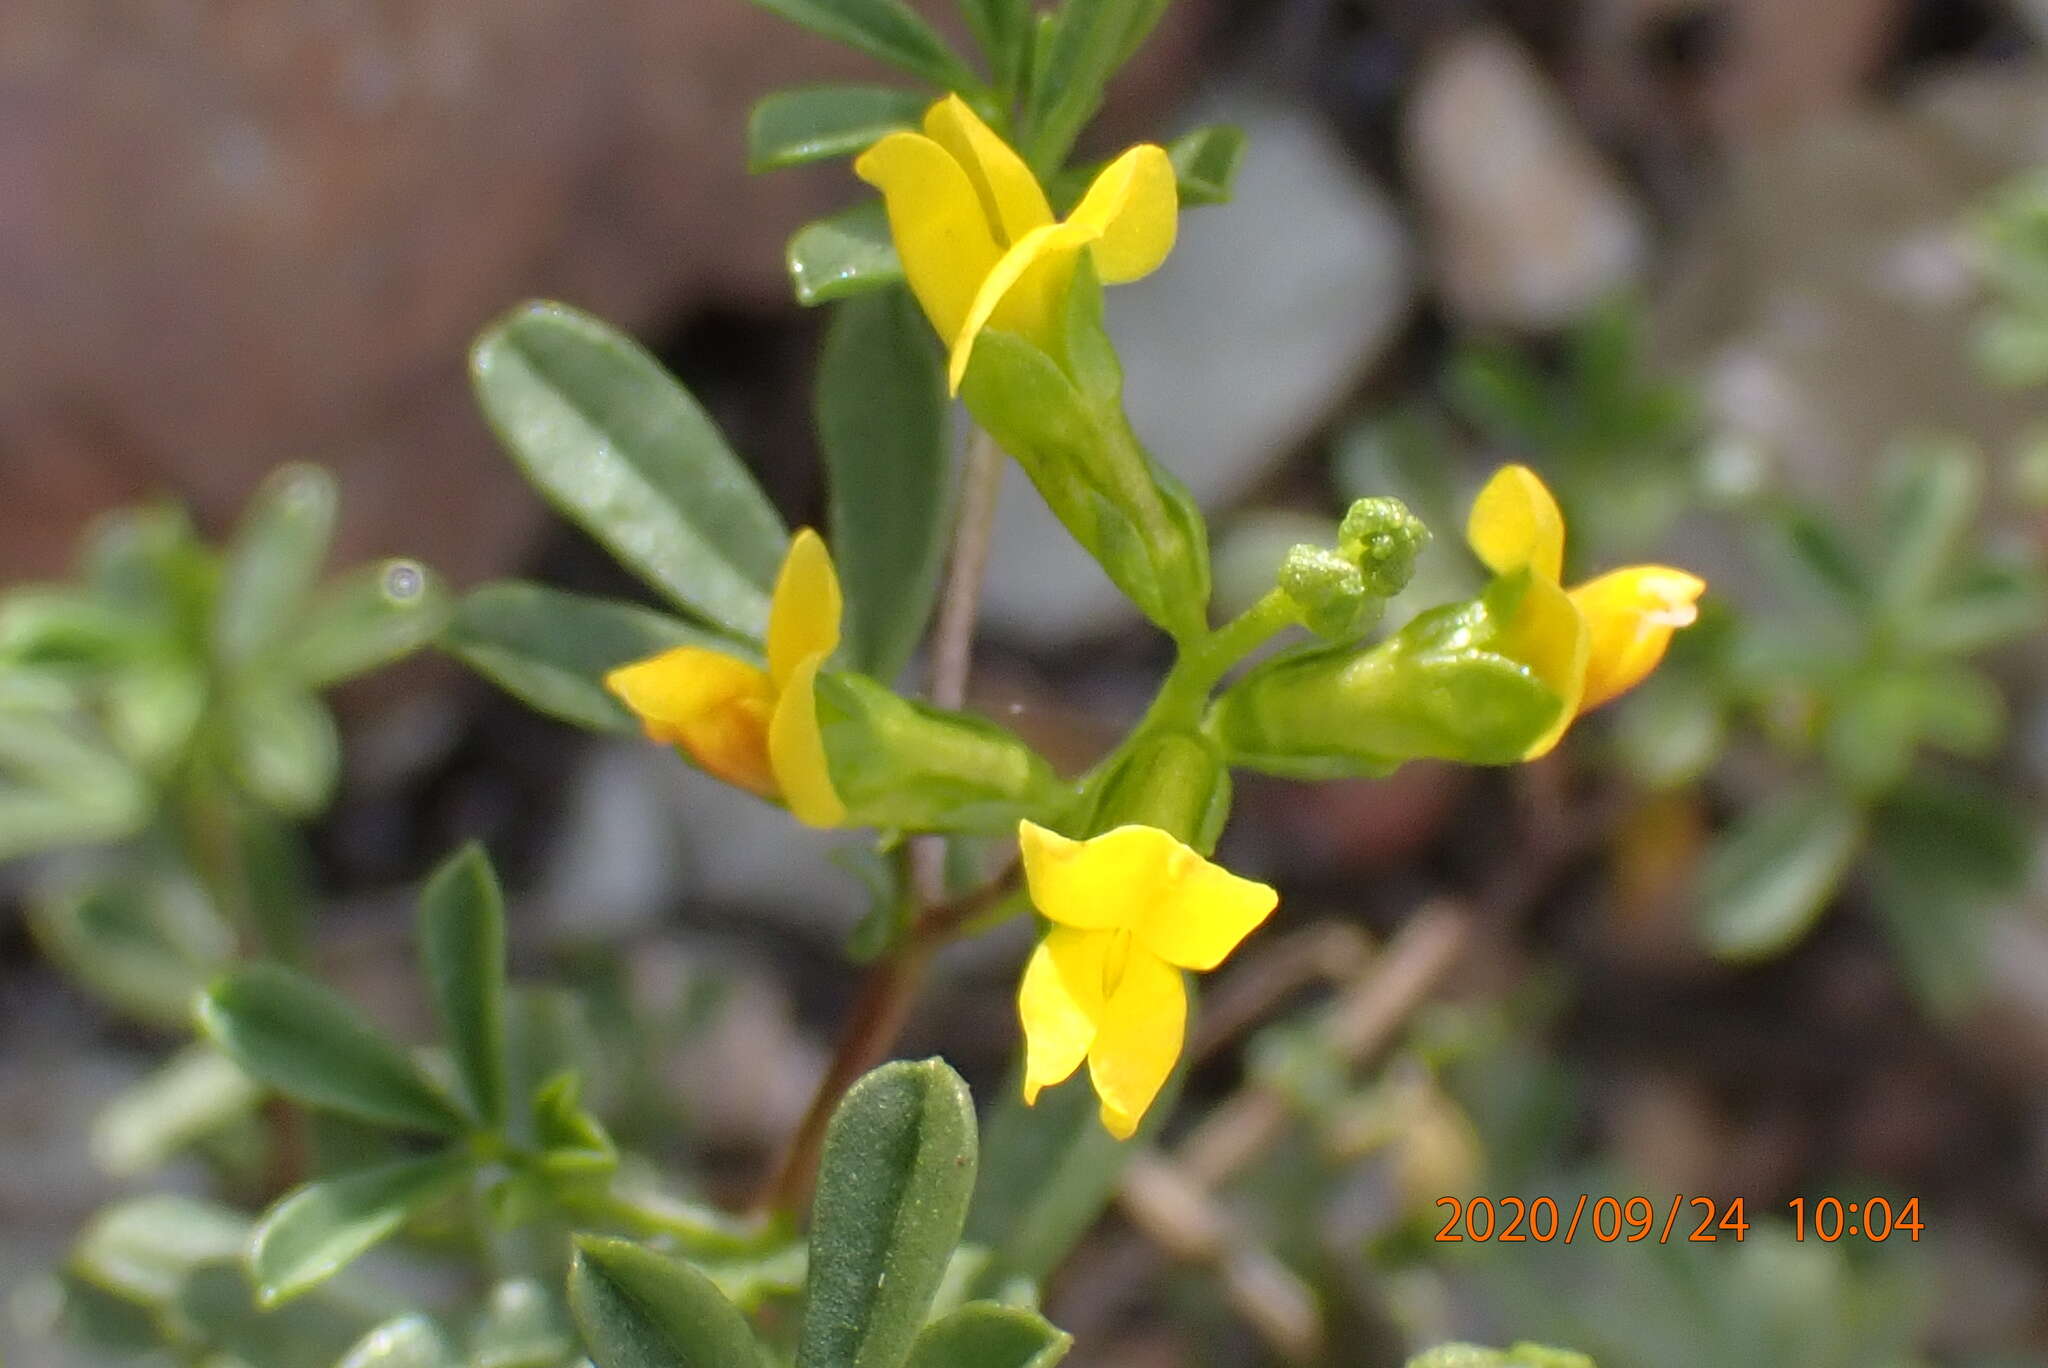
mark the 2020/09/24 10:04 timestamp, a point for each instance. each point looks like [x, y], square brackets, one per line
[1631, 1220]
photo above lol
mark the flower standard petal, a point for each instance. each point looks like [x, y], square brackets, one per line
[1630, 616]
[714, 706]
[1204, 911]
[1515, 525]
[1011, 196]
[938, 223]
[803, 617]
[1131, 214]
[1137, 1040]
[796, 751]
[1058, 1003]
[1100, 884]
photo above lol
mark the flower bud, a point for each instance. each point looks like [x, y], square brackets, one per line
[909, 767]
[1382, 538]
[1329, 593]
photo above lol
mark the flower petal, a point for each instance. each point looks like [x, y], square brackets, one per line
[1023, 294]
[796, 750]
[1515, 524]
[1011, 197]
[803, 617]
[937, 221]
[1630, 616]
[1131, 214]
[1204, 912]
[1100, 884]
[714, 706]
[1548, 634]
[1137, 1041]
[1058, 1002]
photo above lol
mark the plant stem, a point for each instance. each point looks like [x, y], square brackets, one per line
[891, 987]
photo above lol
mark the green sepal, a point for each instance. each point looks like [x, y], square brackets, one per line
[1435, 690]
[907, 766]
[1173, 781]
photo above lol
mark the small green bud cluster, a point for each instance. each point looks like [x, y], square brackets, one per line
[1341, 592]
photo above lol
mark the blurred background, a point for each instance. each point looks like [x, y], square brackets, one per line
[1699, 261]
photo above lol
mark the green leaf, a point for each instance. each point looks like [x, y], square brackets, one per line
[522, 1325]
[369, 617]
[893, 1184]
[792, 127]
[144, 942]
[843, 255]
[1929, 498]
[1771, 874]
[1987, 606]
[1872, 730]
[1003, 29]
[318, 1229]
[298, 1037]
[59, 786]
[1205, 163]
[193, 1094]
[153, 708]
[988, 1335]
[286, 749]
[311, 1332]
[887, 30]
[143, 1249]
[1520, 1356]
[409, 1341]
[57, 624]
[638, 1309]
[274, 561]
[882, 413]
[572, 1140]
[552, 650]
[1090, 40]
[626, 453]
[462, 946]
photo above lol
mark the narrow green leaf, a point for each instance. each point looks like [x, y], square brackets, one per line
[626, 453]
[1090, 40]
[286, 748]
[1770, 875]
[59, 624]
[989, 1335]
[298, 1037]
[893, 1184]
[1003, 29]
[318, 1229]
[143, 1249]
[552, 650]
[1987, 606]
[638, 1309]
[792, 127]
[462, 945]
[60, 785]
[410, 1341]
[882, 414]
[369, 617]
[1205, 163]
[193, 1094]
[843, 255]
[1930, 496]
[144, 942]
[274, 561]
[887, 30]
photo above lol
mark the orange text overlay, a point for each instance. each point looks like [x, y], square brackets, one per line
[1663, 1220]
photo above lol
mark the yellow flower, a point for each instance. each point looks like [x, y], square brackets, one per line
[752, 727]
[1595, 641]
[1130, 909]
[978, 239]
